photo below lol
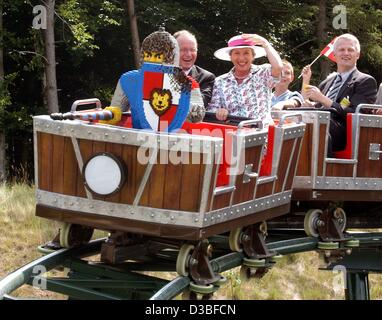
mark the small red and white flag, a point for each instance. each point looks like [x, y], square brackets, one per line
[328, 51]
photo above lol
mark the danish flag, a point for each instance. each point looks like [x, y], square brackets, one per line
[328, 51]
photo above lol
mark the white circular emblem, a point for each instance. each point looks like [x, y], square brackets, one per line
[103, 174]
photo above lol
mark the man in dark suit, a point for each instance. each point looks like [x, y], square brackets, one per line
[379, 95]
[341, 92]
[188, 49]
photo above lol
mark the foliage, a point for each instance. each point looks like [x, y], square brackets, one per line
[93, 42]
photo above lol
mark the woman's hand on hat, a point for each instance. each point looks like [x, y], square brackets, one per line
[221, 114]
[256, 39]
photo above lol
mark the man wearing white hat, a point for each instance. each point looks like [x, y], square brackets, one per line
[246, 89]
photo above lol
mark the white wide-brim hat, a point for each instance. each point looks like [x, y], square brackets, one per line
[238, 42]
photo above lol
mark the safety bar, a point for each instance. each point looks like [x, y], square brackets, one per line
[222, 190]
[252, 122]
[290, 115]
[85, 102]
[367, 106]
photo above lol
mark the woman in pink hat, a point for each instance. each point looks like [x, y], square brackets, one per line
[246, 89]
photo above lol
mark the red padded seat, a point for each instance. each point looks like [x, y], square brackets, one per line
[347, 152]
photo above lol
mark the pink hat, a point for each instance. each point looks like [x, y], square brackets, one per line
[238, 42]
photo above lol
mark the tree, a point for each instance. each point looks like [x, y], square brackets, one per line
[134, 32]
[50, 89]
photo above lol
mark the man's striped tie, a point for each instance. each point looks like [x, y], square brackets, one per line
[332, 94]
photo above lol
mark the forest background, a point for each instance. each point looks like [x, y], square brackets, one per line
[87, 44]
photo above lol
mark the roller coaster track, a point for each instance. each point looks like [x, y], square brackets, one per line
[95, 280]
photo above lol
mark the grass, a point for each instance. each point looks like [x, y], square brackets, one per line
[295, 277]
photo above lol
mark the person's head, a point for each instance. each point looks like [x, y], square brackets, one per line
[188, 48]
[160, 47]
[287, 74]
[347, 50]
[235, 44]
[242, 59]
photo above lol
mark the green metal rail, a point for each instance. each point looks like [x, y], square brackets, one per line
[93, 280]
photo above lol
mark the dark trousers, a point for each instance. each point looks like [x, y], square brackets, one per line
[337, 136]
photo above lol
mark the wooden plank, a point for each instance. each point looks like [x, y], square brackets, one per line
[58, 164]
[321, 150]
[173, 180]
[369, 168]
[189, 197]
[141, 165]
[285, 158]
[70, 169]
[245, 191]
[294, 161]
[99, 147]
[264, 190]
[212, 187]
[157, 183]
[86, 150]
[201, 181]
[221, 201]
[339, 170]
[305, 160]
[129, 157]
[116, 150]
[45, 161]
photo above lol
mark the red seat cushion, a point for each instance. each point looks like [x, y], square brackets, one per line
[266, 164]
[216, 130]
[347, 152]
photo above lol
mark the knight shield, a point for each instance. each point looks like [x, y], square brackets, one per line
[159, 96]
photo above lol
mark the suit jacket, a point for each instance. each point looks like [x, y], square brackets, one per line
[379, 95]
[358, 88]
[206, 82]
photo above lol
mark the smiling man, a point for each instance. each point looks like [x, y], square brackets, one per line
[188, 48]
[343, 90]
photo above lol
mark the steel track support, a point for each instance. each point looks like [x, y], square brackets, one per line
[357, 286]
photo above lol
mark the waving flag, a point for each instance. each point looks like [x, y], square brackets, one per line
[328, 51]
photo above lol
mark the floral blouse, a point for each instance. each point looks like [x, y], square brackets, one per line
[251, 98]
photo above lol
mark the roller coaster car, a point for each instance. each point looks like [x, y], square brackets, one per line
[325, 188]
[167, 186]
